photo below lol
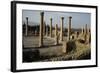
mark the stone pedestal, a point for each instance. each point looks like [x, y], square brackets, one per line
[64, 47]
[41, 30]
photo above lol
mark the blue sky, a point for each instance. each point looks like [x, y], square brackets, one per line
[78, 19]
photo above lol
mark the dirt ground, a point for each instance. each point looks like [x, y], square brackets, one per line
[51, 52]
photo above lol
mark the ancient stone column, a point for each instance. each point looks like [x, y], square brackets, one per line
[35, 32]
[89, 31]
[82, 31]
[56, 34]
[50, 27]
[44, 28]
[77, 34]
[41, 30]
[86, 29]
[89, 36]
[69, 28]
[85, 33]
[61, 29]
[26, 33]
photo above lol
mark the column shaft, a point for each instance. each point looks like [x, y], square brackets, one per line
[69, 28]
[56, 34]
[61, 30]
[41, 29]
[50, 27]
[26, 26]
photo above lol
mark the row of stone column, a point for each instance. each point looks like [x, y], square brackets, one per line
[42, 29]
[86, 33]
[61, 29]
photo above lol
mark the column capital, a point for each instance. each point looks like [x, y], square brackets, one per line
[62, 18]
[51, 18]
[42, 13]
[26, 18]
[70, 17]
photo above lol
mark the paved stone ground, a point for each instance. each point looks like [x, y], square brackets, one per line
[49, 48]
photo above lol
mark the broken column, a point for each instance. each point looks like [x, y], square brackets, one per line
[82, 31]
[26, 26]
[89, 31]
[61, 29]
[77, 34]
[73, 37]
[50, 27]
[69, 28]
[41, 30]
[36, 32]
[89, 36]
[56, 34]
